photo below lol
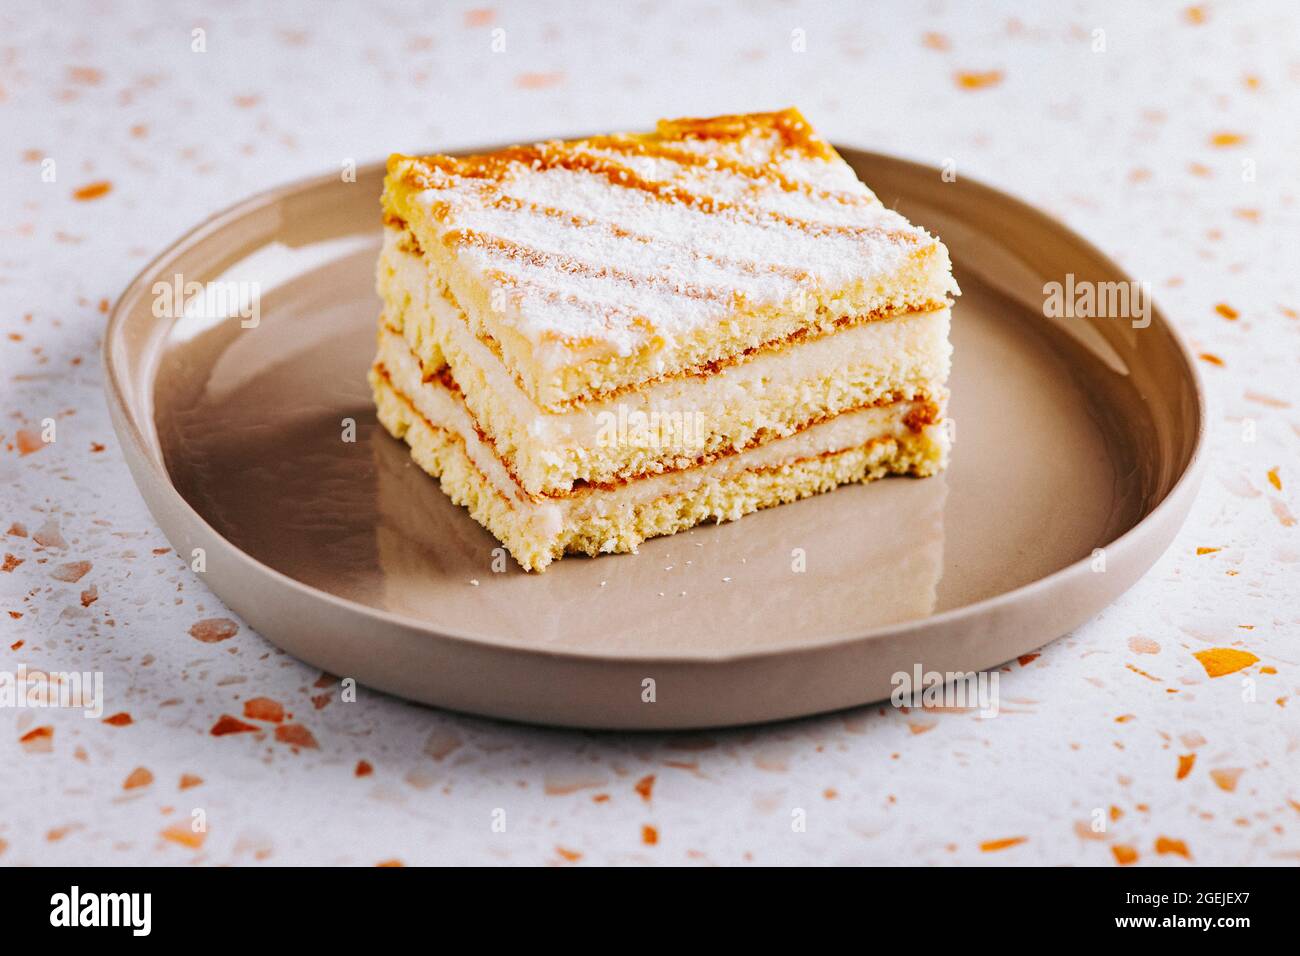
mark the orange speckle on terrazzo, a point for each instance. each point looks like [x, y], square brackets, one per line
[1275, 479]
[1123, 718]
[480, 17]
[86, 75]
[48, 535]
[993, 846]
[1139, 644]
[1211, 358]
[263, 708]
[573, 856]
[28, 441]
[1220, 661]
[227, 724]
[55, 834]
[1026, 659]
[1124, 855]
[39, 740]
[92, 191]
[645, 786]
[1204, 551]
[189, 780]
[538, 81]
[1185, 763]
[1225, 140]
[974, 80]
[72, 572]
[139, 777]
[295, 735]
[1084, 831]
[1227, 311]
[184, 835]
[120, 719]
[1226, 777]
[442, 743]
[388, 864]
[1261, 399]
[1195, 15]
[364, 769]
[1169, 845]
[11, 561]
[649, 835]
[213, 629]
[935, 41]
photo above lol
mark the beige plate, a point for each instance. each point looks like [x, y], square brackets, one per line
[1071, 436]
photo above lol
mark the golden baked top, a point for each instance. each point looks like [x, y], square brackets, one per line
[610, 260]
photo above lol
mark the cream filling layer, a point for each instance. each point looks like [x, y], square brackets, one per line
[910, 352]
[445, 409]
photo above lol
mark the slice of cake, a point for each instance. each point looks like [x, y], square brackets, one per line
[595, 342]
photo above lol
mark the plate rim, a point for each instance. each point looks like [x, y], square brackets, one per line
[136, 451]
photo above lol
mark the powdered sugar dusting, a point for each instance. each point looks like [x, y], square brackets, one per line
[614, 239]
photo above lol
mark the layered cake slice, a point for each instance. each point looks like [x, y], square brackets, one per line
[595, 342]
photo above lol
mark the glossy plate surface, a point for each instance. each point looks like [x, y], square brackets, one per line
[1072, 435]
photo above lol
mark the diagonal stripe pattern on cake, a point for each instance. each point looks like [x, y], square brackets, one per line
[596, 342]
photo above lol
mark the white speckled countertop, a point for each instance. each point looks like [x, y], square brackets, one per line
[1173, 147]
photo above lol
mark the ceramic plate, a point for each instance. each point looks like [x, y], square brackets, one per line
[1075, 461]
